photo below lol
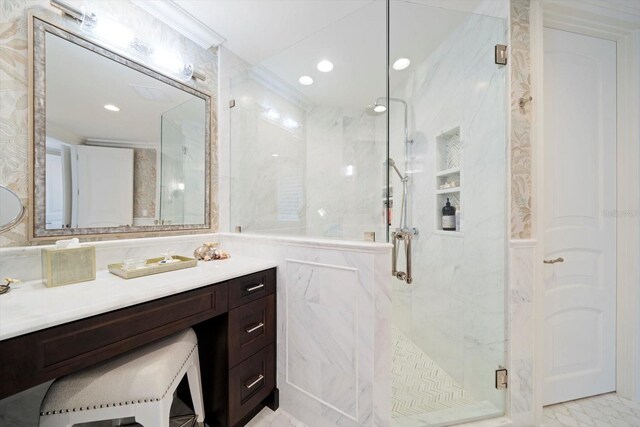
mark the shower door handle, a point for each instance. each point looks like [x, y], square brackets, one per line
[394, 255]
[406, 237]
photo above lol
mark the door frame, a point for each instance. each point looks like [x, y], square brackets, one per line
[619, 23]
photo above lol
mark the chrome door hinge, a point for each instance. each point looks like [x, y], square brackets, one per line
[502, 379]
[501, 54]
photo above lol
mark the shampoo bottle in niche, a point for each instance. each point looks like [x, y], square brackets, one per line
[448, 217]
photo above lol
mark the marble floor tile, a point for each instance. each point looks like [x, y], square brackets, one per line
[279, 418]
[606, 410]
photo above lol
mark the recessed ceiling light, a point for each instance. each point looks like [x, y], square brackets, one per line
[379, 108]
[305, 80]
[401, 64]
[274, 155]
[325, 66]
[111, 107]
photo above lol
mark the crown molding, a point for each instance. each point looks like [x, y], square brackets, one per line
[182, 21]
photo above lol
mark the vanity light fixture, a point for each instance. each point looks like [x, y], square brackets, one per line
[124, 39]
[401, 64]
[325, 66]
[305, 80]
[111, 107]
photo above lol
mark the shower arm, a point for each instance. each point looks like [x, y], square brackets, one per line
[406, 116]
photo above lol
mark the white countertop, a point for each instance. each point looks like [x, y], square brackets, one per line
[31, 306]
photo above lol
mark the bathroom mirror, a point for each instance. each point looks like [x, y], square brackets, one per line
[11, 209]
[118, 147]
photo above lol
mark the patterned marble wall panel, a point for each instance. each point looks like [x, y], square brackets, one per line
[144, 183]
[14, 89]
[520, 64]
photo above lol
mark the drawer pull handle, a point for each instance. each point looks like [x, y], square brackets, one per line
[257, 380]
[255, 288]
[255, 328]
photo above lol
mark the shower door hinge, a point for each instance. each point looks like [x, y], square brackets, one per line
[502, 379]
[232, 103]
[501, 54]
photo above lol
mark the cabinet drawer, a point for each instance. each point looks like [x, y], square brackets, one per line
[251, 327]
[132, 322]
[250, 383]
[251, 287]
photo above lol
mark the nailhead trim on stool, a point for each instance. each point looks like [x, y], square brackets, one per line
[107, 405]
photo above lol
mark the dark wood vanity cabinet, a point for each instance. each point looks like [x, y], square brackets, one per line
[236, 326]
[244, 370]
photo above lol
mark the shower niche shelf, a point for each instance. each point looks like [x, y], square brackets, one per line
[448, 177]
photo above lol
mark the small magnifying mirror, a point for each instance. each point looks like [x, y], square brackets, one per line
[11, 209]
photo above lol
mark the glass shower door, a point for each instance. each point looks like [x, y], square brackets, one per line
[449, 322]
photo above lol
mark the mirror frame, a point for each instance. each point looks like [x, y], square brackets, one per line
[40, 23]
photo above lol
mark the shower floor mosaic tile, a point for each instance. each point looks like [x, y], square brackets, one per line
[606, 410]
[425, 395]
[418, 384]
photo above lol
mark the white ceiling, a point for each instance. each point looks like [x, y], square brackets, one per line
[258, 29]
[289, 37]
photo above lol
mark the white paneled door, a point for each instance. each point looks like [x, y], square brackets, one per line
[579, 216]
[103, 186]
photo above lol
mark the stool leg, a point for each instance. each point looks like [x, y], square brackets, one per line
[155, 414]
[195, 386]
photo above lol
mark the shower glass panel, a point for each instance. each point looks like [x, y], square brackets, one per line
[449, 323]
[309, 160]
[182, 161]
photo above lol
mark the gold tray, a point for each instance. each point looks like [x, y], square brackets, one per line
[152, 267]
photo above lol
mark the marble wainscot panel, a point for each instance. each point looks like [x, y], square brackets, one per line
[334, 329]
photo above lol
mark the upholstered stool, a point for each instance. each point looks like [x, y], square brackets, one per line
[139, 384]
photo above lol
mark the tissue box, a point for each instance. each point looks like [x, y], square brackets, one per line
[66, 266]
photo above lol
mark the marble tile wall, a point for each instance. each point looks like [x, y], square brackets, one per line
[14, 89]
[455, 308]
[345, 174]
[334, 329]
[267, 159]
